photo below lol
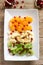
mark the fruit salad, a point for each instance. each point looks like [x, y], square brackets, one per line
[20, 36]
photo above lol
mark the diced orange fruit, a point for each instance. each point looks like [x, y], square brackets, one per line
[12, 20]
[29, 19]
[29, 27]
[20, 24]
[12, 28]
[19, 29]
[25, 23]
[15, 24]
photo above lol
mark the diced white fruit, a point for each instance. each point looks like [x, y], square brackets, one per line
[19, 38]
[15, 34]
[23, 34]
[25, 40]
[12, 40]
[29, 32]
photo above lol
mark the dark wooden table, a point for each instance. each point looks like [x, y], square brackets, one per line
[2, 62]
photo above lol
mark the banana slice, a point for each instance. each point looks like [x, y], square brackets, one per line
[12, 40]
[15, 34]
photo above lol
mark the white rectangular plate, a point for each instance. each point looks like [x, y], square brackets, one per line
[9, 13]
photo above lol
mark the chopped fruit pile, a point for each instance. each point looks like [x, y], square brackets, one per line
[20, 24]
[20, 36]
[20, 44]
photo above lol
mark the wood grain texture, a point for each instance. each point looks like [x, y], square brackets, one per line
[2, 62]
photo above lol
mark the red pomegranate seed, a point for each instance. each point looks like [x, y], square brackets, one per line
[17, 2]
[31, 39]
[19, 16]
[24, 17]
[22, 28]
[41, 4]
[21, 7]
[14, 25]
[18, 22]
[9, 50]
[14, 6]
[10, 33]
[15, 20]
[12, 22]
[28, 22]
[22, 1]
[16, 29]
[14, 16]
[20, 32]
[24, 25]
[13, 44]
[31, 30]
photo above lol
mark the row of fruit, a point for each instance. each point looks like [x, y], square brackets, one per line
[20, 23]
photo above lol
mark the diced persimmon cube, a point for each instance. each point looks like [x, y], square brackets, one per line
[29, 19]
[19, 29]
[12, 20]
[15, 23]
[29, 27]
[11, 27]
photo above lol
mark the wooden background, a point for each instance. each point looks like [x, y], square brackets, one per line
[2, 62]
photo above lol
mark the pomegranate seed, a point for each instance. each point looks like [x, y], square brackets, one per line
[20, 32]
[31, 30]
[14, 6]
[24, 25]
[22, 1]
[31, 39]
[12, 22]
[17, 42]
[18, 22]
[14, 16]
[19, 16]
[13, 44]
[15, 20]
[9, 50]
[20, 6]
[13, 54]
[10, 33]
[14, 25]
[22, 28]
[22, 46]
[17, 2]
[41, 4]
[24, 17]
[28, 22]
